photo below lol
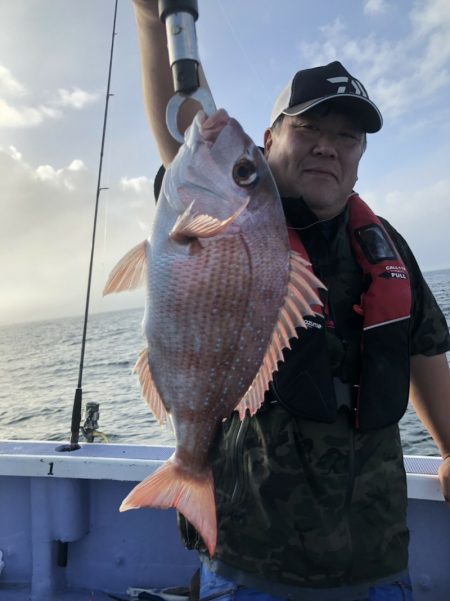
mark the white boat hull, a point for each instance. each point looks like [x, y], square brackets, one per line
[62, 537]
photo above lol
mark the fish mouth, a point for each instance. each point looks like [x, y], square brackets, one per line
[211, 127]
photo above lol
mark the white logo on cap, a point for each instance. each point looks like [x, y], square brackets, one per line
[357, 87]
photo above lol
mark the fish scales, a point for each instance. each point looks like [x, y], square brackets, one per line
[215, 297]
[221, 287]
[215, 355]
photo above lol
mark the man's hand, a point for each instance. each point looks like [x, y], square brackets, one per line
[444, 478]
[430, 395]
[157, 83]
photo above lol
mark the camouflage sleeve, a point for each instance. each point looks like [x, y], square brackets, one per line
[429, 330]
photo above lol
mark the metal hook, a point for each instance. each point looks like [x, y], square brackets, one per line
[201, 95]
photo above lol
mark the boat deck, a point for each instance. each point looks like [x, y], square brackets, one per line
[24, 594]
[62, 537]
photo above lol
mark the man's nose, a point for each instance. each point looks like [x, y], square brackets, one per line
[325, 146]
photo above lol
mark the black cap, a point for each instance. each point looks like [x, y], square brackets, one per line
[311, 87]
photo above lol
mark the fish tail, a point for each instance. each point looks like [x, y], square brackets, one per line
[171, 486]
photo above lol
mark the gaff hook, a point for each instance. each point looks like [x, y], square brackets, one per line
[179, 17]
[201, 95]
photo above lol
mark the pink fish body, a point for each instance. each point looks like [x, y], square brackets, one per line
[224, 296]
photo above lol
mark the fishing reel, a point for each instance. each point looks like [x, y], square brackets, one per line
[91, 417]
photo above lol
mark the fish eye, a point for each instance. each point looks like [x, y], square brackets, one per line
[245, 173]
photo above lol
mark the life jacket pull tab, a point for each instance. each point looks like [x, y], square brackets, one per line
[358, 309]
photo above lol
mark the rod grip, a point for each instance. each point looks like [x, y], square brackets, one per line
[76, 416]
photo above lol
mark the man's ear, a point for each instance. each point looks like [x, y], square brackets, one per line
[268, 138]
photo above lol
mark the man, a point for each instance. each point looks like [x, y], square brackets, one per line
[310, 491]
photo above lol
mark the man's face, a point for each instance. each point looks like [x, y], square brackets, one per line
[316, 156]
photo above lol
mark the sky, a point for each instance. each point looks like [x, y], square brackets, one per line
[54, 57]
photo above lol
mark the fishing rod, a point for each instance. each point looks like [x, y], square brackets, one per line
[92, 408]
[179, 17]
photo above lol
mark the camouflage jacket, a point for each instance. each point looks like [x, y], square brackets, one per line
[304, 504]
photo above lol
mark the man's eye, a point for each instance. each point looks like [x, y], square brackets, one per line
[308, 127]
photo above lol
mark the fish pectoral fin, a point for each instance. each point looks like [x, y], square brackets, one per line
[129, 273]
[193, 496]
[149, 392]
[195, 225]
[301, 299]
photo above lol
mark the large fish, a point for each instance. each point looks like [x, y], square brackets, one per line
[224, 296]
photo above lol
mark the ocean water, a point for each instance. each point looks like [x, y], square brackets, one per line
[39, 365]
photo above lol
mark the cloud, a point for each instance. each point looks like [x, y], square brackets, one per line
[45, 237]
[77, 165]
[16, 113]
[137, 184]
[23, 116]
[13, 153]
[66, 177]
[9, 85]
[400, 74]
[405, 208]
[375, 7]
[76, 98]
[430, 16]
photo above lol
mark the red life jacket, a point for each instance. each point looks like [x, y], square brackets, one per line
[381, 397]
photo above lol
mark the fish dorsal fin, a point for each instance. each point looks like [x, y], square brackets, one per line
[148, 390]
[130, 271]
[193, 225]
[300, 301]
